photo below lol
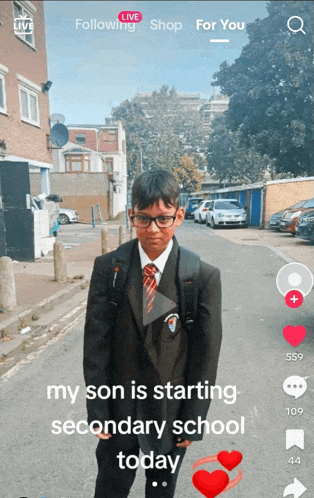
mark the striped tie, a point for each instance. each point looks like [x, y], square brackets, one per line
[150, 286]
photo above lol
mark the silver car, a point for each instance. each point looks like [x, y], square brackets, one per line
[226, 212]
[67, 215]
[200, 212]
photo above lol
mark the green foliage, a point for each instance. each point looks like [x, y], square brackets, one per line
[232, 161]
[159, 130]
[187, 174]
[271, 88]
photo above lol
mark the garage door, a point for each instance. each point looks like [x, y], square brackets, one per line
[256, 207]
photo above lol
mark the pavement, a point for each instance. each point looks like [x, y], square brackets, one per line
[38, 293]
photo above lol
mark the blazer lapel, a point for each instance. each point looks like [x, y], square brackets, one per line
[135, 290]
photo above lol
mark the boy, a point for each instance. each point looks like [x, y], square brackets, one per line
[142, 342]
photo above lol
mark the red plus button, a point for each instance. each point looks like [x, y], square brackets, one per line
[294, 299]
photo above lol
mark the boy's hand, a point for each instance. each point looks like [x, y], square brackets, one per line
[183, 444]
[102, 435]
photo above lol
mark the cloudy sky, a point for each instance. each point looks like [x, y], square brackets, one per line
[95, 69]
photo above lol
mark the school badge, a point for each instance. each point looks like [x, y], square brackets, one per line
[172, 321]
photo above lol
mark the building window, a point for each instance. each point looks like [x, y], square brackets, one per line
[76, 163]
[29, 106]
[80, 139]
[23, 21]
[3, 105]
[28, 92]
[109, 164]
[109, 136]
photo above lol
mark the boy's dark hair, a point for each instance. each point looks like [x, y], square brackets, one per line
[153, 186]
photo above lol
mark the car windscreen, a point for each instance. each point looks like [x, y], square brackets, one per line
[195, 201]
[309, 204]
[298, 205]
[227, 205]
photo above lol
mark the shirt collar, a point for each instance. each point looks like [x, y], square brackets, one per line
[159, 262]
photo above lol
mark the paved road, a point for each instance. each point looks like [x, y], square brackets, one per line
[37, 463]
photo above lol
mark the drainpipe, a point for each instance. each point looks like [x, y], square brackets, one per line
[261, 224]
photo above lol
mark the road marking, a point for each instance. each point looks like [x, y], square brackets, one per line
[72, 312]
[32, 356]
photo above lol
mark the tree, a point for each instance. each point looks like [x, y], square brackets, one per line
[159, 131]
[230, 160]
[187, 174]
[271, 88]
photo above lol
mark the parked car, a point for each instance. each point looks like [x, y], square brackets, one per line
[200, 212]
[290, 217]
[191, 205]
[67, 215]
[226, 212]
[305, 226]
[274, 220]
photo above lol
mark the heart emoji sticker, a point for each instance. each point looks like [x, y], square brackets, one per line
[294, 335]
[229, 460]
[210, 484]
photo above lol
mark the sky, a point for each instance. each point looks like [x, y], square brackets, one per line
[93, 70]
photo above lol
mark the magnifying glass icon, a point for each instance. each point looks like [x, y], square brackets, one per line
[301, 26]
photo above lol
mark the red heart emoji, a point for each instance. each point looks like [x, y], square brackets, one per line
[229, 460]
[294, 335]
[210, 485]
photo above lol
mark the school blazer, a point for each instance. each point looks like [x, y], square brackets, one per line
[120, 350]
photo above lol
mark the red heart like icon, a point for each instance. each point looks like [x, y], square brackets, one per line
[294, 335]
[210, 485]
[229, 460]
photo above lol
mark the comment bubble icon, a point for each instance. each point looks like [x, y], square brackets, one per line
[295, 386]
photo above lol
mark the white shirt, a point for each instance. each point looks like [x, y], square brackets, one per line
[160, 262]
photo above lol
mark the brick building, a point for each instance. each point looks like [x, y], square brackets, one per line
[24, 102]
[91, 169]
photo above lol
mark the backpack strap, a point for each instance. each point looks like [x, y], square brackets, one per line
[189, 269]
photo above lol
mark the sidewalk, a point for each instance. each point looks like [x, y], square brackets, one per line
[284, 244]
[36, 290]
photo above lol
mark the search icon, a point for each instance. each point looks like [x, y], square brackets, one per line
[300, 28]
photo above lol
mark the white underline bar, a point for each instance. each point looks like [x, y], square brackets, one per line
[219, 41]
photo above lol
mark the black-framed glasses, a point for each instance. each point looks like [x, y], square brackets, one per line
[162, 221]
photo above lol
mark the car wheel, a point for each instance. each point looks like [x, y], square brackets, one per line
[64, 219]
[200, 219]
[206, 221]
[212, 223]
[195, 220]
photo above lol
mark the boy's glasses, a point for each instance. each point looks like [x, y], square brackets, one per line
[143, 221]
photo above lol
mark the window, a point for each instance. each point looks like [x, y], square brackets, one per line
[110, 136]
[80, 139]
[75, 163]
[28, 92]
[3, 105]
[109, 164]
[23, 21]
[29, 106]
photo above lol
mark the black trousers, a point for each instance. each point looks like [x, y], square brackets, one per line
[115, 482]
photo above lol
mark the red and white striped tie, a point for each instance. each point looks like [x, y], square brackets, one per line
[150, 286]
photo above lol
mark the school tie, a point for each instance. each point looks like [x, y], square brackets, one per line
[149, 286]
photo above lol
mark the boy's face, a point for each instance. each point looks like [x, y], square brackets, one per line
[153, 239]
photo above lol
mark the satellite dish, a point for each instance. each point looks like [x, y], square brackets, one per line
[57, 118]
[59, 134]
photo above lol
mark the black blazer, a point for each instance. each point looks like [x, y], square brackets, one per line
[120, 349]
